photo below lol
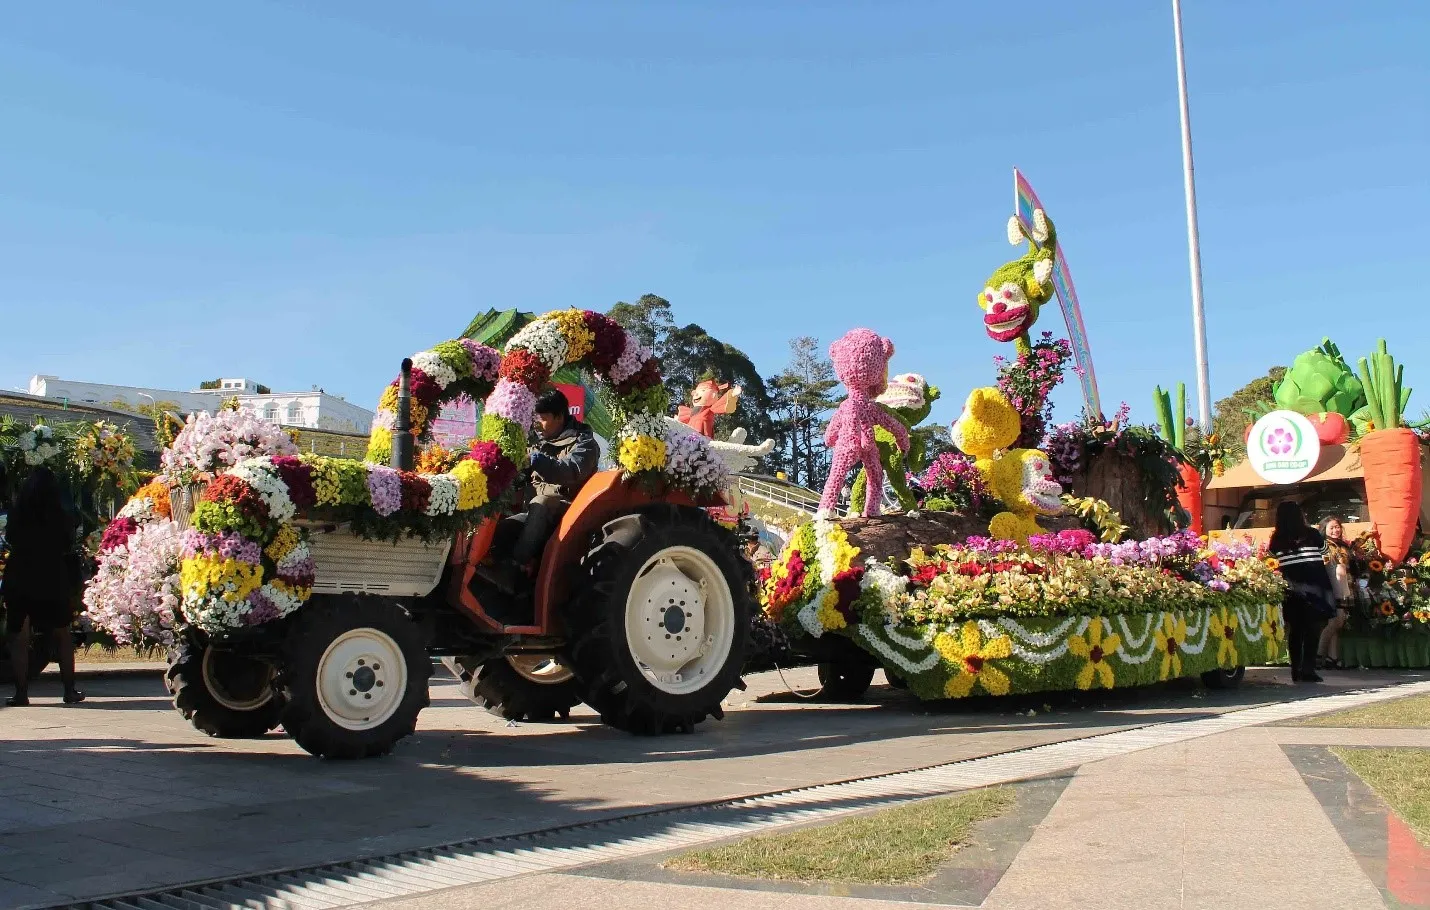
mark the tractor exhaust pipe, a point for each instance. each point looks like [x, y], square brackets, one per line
[402, 427]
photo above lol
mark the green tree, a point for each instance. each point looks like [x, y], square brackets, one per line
[649, 319]
[801, 397]
[1232, 414]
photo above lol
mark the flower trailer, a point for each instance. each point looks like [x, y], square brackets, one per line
[316, 591]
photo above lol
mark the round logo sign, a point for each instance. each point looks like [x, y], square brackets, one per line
[1283, 447]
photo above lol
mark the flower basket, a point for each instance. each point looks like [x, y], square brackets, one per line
[181, 503]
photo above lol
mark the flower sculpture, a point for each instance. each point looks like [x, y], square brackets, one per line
[1016, 290]
[1022, 479]
[861, 361]
[909, 398]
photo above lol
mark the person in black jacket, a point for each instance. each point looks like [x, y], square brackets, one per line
[564, 458]
[41, 583]
[1309, 600]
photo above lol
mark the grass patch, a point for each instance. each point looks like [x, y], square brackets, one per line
[97, 654]
[1398, 712]
[890, 847]
[1401, 777]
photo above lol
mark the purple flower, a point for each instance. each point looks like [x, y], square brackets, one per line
[384, 485]
[1279, 441]
[486, 362]
[512, 401]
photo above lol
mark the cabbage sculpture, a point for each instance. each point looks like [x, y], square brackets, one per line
[1320, 381]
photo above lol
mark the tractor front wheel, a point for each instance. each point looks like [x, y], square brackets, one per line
[355, 676]
[529, 687]
[660, 634]
[223, 693]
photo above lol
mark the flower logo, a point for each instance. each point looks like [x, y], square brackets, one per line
[1279, 441]
[1223, 630]
[1095, 649]
[1170, 638]
[971, 655]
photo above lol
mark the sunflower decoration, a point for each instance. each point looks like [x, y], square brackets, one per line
[1272, 563]
[1376, 565]
[1387, 608]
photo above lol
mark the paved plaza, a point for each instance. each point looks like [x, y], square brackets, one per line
[120, 795]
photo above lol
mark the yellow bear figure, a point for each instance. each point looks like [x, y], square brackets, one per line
[1022, 479]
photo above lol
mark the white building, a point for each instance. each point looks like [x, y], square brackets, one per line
[315, 409]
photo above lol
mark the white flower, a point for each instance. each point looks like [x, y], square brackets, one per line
[1043, 270]
[633, 356]
[544, 339]
[1040, 226]
[652, 425]
[260, 474]
[444, 494]
[1015, 231]
[436, 368]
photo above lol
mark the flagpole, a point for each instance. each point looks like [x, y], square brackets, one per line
[1194, 251]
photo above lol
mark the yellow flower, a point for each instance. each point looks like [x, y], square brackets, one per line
[1273, 563]
[971, 654]
[283, 543]
[829, 615]
[1170, 638]
[1223, 629]
[579, 339]
[472, 490]
[1095, 649]
[229, 579]
[1273, 632]
[643, 453]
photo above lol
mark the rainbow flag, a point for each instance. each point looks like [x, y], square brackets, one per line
[1024, 203]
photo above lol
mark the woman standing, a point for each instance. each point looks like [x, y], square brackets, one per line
[1339, 564]
[1308, 602]
[41, 581]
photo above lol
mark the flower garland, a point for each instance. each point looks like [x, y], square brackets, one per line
[212, 443]
[439, 376]
[1063, 611]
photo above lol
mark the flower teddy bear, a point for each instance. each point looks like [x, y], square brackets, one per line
[861, 361]
[1022, 479]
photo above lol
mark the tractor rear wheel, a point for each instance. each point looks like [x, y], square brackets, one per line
[355, 676]
[659, 635]
[530, 687]
[223, 693]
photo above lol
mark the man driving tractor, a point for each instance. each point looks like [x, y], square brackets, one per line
[564, 457]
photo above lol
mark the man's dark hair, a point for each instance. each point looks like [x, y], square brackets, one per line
[553, 402]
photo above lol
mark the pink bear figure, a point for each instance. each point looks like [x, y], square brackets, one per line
[861, 361]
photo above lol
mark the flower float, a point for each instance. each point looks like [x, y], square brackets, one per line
[1059, 611]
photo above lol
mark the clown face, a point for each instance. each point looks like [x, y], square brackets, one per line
[1040, 490]
[1007, 311]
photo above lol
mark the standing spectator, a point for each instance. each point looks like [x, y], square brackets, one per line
[1340, 564]
[41, 584]
[1308, 602]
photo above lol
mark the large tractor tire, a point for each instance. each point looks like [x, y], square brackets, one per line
[659, 634]
[354, 676]
[529, 687]
[223, 693]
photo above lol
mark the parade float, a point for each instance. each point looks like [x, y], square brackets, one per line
[1338, 443]
[999, 582]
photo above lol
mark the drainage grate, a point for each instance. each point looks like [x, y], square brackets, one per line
[472, 862]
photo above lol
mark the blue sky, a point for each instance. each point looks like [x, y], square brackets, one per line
[304, 193]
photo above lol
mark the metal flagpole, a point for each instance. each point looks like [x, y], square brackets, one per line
[1194, 251]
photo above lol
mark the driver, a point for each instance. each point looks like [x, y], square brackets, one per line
[563, 459]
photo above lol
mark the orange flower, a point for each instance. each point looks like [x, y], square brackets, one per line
[1387, 608]
[1273, 563]
[1377, 566]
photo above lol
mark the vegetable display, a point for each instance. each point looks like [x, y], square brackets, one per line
[1172, 426]
[1390, 453]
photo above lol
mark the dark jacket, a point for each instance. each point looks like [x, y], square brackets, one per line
[41, 565]
[1303, 567]
[560, 466]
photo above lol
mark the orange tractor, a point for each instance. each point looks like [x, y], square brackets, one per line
[641, 608]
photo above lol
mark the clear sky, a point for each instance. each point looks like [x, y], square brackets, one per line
[304, 193]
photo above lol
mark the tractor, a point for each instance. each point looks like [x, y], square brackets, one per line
[640, 607]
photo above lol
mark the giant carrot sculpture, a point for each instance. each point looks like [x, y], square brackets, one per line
[1390, 455]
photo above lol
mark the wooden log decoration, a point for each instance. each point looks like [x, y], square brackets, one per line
[1119, 479]
[894, 536]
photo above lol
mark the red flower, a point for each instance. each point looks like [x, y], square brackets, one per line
[1033, 568]
[846, 585]
[423, 387]
[117, 534]
[298, 477]
[235, 492]
[526, 368]
[648, 376]
[924, 575]
[610, 341]
[972, 569]
[416, 492]
[500, 470]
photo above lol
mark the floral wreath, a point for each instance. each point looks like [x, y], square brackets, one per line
[246, 562]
